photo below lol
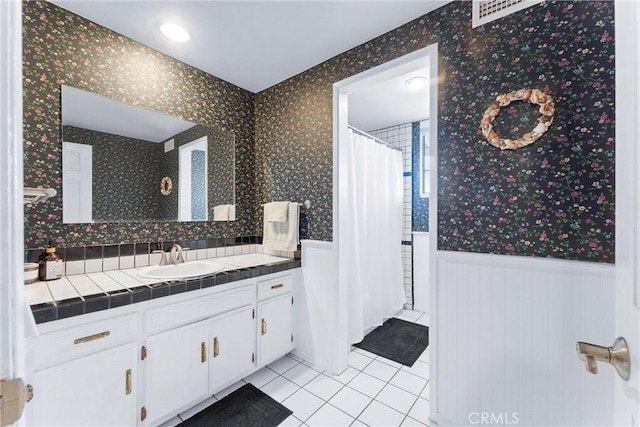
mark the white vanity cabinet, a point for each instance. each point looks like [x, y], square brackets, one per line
[142, 364]
[86, 376]
[94, 390]
[275, 319]
[177, 369]
[233, 347]
[188, 364]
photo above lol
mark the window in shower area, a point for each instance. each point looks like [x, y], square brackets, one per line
[425, 168]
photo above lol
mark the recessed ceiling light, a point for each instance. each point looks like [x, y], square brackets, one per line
[175, 32]
[417, 82]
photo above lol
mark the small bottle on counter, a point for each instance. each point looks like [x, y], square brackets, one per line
[50, 264]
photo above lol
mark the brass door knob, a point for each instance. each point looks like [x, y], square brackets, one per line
[616, 355]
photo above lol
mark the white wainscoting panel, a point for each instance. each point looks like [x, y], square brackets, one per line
[316, 307]
[504, 340]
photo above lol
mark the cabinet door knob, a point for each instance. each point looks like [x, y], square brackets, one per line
[264, 326]
[216, 347]
[203, 352]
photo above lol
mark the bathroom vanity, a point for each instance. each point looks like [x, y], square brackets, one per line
[143, 363]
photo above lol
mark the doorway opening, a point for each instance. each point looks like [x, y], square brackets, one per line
[193, 188]
[416, 134]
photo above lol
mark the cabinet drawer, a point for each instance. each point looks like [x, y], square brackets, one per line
[71, 343]
[274, 287]
[189, 311]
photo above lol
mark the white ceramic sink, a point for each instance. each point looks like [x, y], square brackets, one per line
[181, 271]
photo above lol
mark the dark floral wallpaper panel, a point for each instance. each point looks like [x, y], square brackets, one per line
[125, 174]
[60, 47]
[554, 198]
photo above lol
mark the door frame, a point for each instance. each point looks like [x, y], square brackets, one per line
[12, 307]
[421, 58]
[627, 189]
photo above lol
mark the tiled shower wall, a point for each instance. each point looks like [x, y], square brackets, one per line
[400, 137]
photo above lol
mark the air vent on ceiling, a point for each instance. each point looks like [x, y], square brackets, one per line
[489, 10]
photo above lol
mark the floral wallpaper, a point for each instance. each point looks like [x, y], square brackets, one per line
[63, 48]
[554, 198]
[125, 174]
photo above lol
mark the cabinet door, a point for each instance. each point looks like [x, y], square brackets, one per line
[275, 328]
[98, 389]
[233, 342]
[177, 369]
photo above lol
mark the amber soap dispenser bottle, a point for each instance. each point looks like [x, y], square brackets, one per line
[49, 264]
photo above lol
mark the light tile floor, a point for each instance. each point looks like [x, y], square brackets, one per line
[372, 391]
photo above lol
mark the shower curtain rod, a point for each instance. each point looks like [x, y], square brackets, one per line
[378, 140]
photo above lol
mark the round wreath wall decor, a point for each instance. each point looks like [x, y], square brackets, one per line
[534, 96]
[166, 186]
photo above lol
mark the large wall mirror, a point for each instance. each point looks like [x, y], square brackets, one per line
[126, 163]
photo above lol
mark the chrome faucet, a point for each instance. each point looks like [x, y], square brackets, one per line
[176, 256]
[163, 256]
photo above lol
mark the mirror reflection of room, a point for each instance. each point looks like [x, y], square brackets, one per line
[115, 157]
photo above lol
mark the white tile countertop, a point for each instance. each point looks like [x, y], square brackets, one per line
[83, 293]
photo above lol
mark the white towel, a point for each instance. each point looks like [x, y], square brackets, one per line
[282, 236]
[221, 213]
[232, 212]
[276, 211]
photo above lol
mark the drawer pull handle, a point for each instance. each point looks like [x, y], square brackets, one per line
[203, 352]
[278, 286]
[92, 337]
[264, 327]
[128, 382]
[216, 347]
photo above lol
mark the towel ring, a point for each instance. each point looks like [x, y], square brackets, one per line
[166, 186]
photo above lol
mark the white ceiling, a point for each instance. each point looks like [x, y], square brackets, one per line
[389, 103]
[96, 112]
[256, 44]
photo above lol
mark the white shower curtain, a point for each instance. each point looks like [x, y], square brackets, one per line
[372, 233]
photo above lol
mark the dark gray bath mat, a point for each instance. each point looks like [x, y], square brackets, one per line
[245, 407]
[397, 340]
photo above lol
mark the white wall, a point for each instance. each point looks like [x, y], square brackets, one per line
[316, 307]
[504, 334]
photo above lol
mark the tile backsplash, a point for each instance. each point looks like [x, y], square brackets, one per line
[94, 259]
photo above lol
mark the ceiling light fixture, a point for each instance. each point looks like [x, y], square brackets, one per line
[415, 83]
[175, 32]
